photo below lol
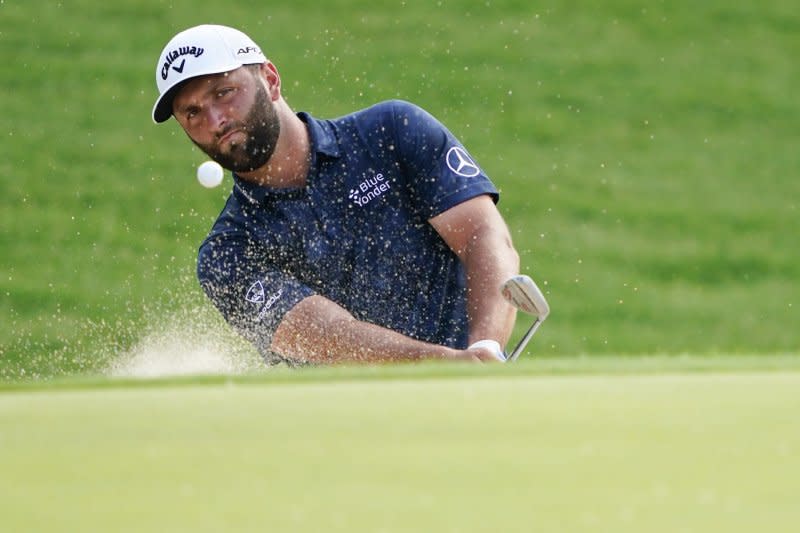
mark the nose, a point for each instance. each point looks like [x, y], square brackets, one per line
[216, 120]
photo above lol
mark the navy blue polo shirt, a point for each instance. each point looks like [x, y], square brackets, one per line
[357, 233]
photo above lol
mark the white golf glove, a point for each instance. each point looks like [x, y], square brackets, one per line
[492, 346]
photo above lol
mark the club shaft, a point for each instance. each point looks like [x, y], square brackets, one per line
[524, 340]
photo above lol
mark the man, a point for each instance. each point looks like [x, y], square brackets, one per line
[368, 238]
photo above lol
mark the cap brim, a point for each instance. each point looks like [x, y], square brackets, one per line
[162, 110]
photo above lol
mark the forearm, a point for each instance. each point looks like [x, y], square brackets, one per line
[489, 259]
[478, 235]
[319, 331]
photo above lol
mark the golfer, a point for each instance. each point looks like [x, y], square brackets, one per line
[373, 237]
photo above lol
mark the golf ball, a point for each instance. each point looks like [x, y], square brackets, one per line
[209, 174]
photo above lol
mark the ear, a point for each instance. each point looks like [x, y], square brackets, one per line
[272, 79]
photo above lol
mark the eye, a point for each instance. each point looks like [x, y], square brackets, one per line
[224, 92]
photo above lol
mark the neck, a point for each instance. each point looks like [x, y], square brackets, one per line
[288, 167]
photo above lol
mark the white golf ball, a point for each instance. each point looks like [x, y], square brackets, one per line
[210, 174]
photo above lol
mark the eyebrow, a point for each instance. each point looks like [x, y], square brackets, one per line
[212, 85]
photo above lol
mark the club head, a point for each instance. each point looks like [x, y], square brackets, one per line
[521, 292]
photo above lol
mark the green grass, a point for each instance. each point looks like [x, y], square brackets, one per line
[665, 444]
[647, 155]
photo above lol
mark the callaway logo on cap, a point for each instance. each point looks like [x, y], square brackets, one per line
[201, 50]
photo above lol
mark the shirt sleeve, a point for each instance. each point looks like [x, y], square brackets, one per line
[251, 294]
[441, 172]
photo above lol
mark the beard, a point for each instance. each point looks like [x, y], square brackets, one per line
[262, 127]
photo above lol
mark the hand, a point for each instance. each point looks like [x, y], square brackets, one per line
[487, 351]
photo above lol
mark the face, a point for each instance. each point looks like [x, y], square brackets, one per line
[230, 117]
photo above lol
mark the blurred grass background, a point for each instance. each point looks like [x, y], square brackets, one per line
[647, 154]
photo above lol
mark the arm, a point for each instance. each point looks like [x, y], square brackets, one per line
[281, 316]
[317, 330]
[477, 234]
[456, 197]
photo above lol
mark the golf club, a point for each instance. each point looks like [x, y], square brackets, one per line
[521, 292]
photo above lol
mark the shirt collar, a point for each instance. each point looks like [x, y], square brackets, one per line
[323, 141]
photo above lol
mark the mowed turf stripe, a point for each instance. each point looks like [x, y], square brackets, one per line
[527, 366]
[625, 453]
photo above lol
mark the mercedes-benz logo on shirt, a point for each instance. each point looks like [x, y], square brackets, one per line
[461, 163]
[255, 293]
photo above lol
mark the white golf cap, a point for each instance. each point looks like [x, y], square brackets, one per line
[198, 51]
